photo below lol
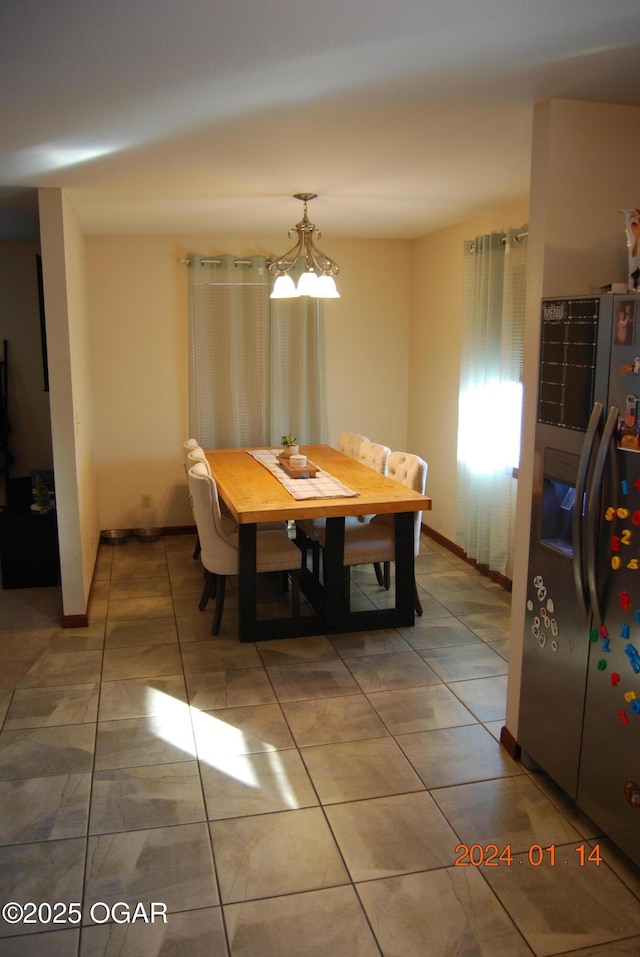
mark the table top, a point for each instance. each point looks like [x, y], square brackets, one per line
[252, 494]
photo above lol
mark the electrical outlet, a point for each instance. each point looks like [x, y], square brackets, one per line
[146, 500]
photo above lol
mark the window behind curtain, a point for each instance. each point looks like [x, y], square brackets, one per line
[494, 278]
[256, 364]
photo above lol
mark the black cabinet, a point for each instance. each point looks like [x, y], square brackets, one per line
[29, 549]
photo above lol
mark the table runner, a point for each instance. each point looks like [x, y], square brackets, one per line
[323, 485]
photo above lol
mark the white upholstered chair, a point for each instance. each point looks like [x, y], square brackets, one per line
[187, 447]
[371, 454]
[197, 455]
[349, 443]
[220, 550]
[374, 541]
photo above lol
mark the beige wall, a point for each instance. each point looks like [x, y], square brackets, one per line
[584, 171]
[138, 307]
[71, 396]
[434, 361]
[30, 439]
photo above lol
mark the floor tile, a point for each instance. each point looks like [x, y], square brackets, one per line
[494, 625]
[449, 756]
[141, 661]
[274, 854]
[152, 631]
[447, 911]
[359, 643]
[34, 752]
[44, 873]
[172, 865]
[127, 608]
[568, 906]
[317, 923]
[152, 587]
[153, 739]
[315, 679]
[465, 661]
[470, 602]
[44, 809]
[504, 811]
[619, 948]
[235, 731]
[419, 709]
[193, 933]
[486, 698]
[296, 650]
[63, 668]
[58, 943]
[41, 707]
[443, 632]
[391, 672]
[359, 769]
[135, 697]
[238, 785]
[126, 570]
[328, 720]
[232, 688]
[152, 796]
[220, 655]
[383, 837]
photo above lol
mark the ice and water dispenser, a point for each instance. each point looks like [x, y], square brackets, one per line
[558, 500]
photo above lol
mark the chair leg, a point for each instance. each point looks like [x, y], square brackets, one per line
[217, 616]
[315, 560]
[377, 567]
[295, 592]
[387, 575]
[208, 590]
[196, 551]
[416, 599]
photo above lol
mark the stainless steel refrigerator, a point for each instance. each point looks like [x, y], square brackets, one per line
[580, 692]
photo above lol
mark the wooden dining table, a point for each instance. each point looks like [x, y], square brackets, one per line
[253, 495]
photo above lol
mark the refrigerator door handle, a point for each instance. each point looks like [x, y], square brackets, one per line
[594, 509]
[590, 440]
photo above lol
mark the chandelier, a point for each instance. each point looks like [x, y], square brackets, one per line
[319, 269]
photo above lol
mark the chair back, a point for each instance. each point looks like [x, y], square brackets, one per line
[197, 455]
[349, 443]
[219, 550]
[188, 447]
[411, 471]
[375, 456]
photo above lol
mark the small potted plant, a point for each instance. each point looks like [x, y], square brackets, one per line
[289, 445]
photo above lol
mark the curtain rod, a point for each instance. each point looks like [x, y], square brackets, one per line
[236, 262]
[517, 237]
[503, 239]
[217, 262]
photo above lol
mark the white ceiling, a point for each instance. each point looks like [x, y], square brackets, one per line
[202, 116]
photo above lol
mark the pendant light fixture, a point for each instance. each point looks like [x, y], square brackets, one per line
[317, 277]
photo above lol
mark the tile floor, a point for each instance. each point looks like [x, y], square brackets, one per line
[302, 797]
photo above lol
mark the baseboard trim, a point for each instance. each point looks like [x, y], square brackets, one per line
[459, 552]
[75, 621]
[510, 744]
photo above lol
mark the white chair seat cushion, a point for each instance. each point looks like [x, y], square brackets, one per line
[276, 552]
[369, 543]
[314, 528]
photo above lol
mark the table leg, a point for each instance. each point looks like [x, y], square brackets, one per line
[247, 582]
[405, 566]
[333, 572]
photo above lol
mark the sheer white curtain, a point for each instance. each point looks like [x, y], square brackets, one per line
[490, 404]
[256, 367]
